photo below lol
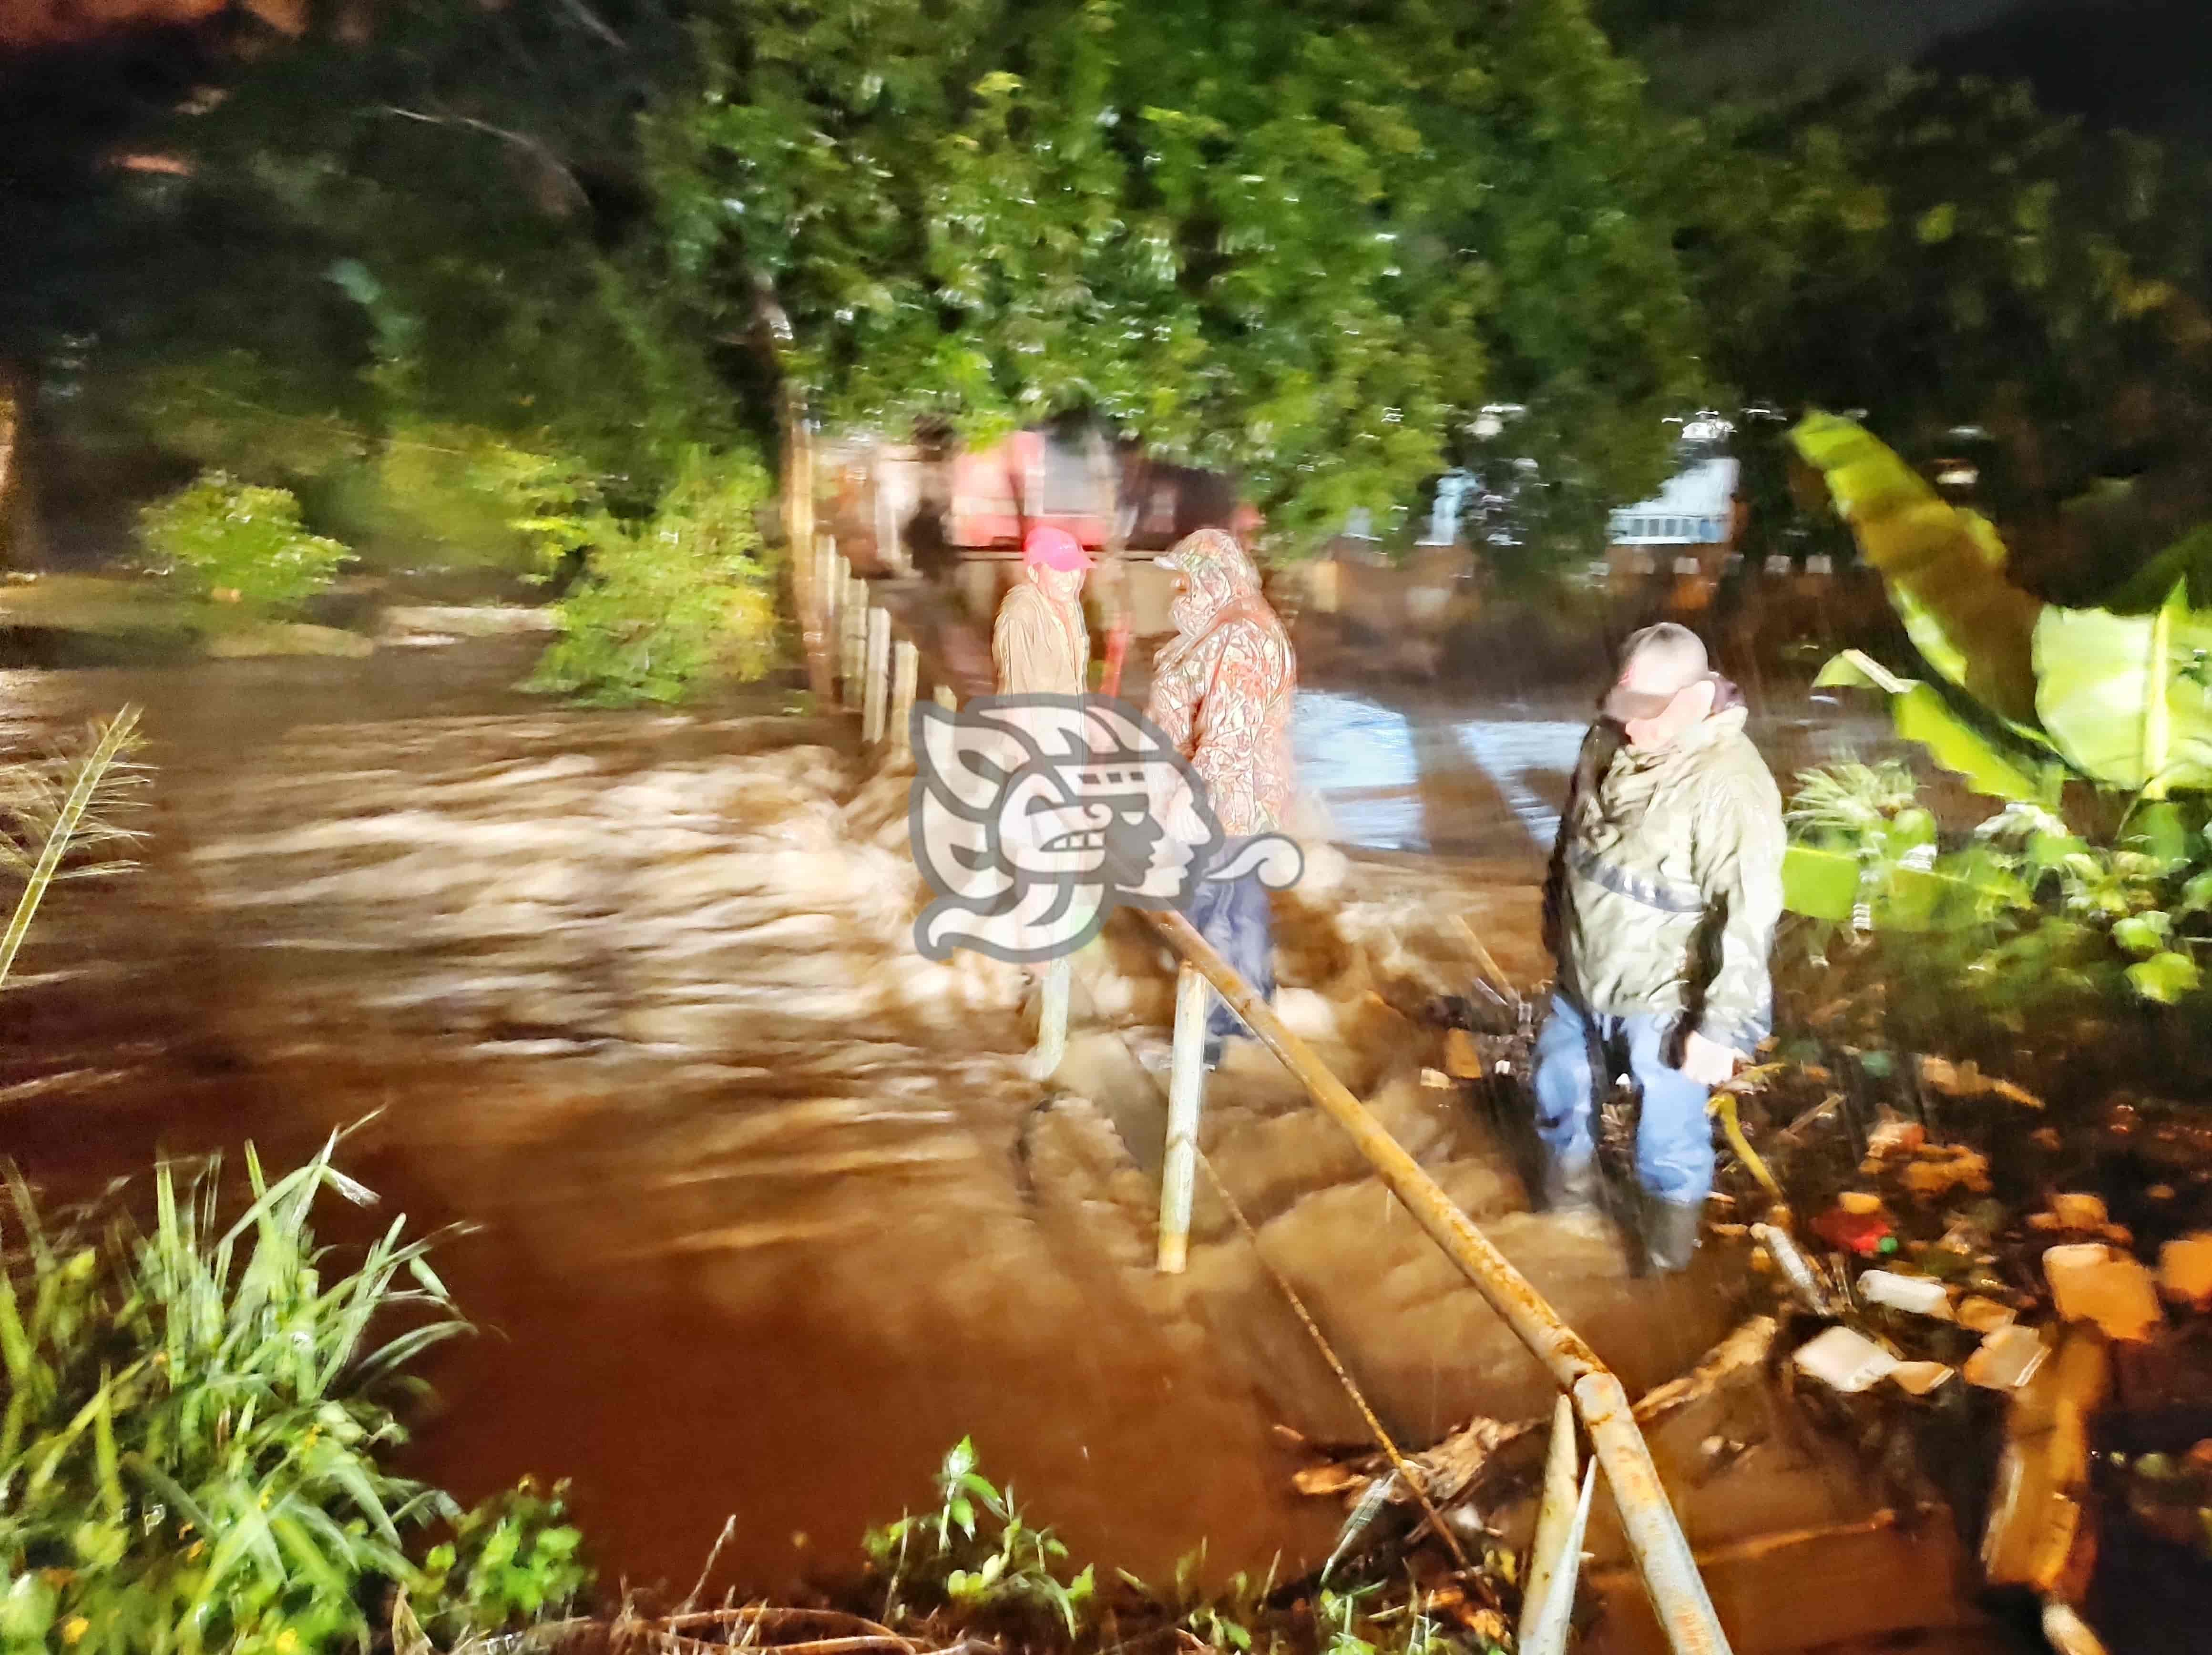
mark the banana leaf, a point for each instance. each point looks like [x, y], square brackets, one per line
[2128, 698]
[1820, 884]
[1922, 716]
[1943, 568]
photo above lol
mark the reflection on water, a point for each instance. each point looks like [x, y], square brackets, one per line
[1512, 754]
[1395, 780]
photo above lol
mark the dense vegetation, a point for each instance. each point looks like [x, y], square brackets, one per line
[476, 286]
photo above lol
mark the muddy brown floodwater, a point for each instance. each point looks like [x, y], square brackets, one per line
[765, 1214]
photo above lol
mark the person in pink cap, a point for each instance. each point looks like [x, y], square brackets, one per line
[1040, 644]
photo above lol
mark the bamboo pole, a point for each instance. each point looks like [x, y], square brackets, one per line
[1186, 1095]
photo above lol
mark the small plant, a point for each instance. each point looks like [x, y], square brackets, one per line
[975, 1552]
[680, 603]
[514, 1561]
[226, 539]
[190, 1454]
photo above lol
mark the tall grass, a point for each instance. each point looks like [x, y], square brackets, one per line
[189, 1457]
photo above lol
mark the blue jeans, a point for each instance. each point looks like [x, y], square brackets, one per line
[1674, 1138]
[1233, 915]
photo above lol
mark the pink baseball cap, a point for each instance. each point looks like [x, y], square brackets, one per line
[1055, 549]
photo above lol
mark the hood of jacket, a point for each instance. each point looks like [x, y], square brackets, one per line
[1220, 574]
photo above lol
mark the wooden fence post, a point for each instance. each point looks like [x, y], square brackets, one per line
[1186, 1093]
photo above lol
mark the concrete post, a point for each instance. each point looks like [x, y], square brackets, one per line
[833, 613]
[856, 637]
[876, 675]
[1186, 1093]
[906, 674]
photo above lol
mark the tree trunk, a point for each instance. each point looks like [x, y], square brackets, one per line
[19, 533]
[806, 595]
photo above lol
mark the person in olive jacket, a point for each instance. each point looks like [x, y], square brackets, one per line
[1665, 887]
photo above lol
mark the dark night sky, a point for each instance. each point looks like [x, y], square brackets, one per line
[2139, 63]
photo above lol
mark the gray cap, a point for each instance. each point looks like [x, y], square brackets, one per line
[1678, 660]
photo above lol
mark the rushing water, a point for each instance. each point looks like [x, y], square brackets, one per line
[764, 1212]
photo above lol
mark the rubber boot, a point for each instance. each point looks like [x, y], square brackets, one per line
[1670, 1235]
[1571, 1188]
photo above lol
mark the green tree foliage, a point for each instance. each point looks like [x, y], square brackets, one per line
[1292, 241]
[224, 539]
[1942, 255]
[676, 604]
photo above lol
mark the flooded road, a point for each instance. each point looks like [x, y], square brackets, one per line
[765, 1214]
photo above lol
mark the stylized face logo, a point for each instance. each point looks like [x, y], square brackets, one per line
[1034, 816]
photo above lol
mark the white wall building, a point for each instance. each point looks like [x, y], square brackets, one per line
[1696, 507]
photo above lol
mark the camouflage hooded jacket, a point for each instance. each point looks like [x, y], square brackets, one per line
[1666, 882]
[1222, 691]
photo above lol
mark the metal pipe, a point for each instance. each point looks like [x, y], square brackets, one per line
[1662, 1556]
[1554, 1516]
[1186, 1093]
[1556, 1615]
[1655, 1539]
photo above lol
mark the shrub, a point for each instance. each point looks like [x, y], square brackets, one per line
[679, 603]
[513, 1560]
[223, 538]
[189, 1455]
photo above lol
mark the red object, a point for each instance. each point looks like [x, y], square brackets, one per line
[1055, 549]
[1117, 651]
[1862, 1234]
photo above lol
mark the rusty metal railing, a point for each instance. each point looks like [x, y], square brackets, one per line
[1662, 1552]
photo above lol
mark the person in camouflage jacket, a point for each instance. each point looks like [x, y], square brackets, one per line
[1221, 694]
[1665, 888]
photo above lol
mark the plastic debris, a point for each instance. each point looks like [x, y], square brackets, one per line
[1866, 1234]
[2008, 1358]
[1807, 1287]
[1895, 1138]
[2185, 1270]
[1919, 1378]
[1845, 1361]
[1979, 1315]
[1462, 1059]
[2081, 1212]
[1919, 1295]
[2090, 1282]
[1944, 1167]
[1859, 1202]
[1965, 1080]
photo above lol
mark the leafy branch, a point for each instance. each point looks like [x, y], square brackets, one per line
[48, 821]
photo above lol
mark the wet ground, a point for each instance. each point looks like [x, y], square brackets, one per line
[766, 1213]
